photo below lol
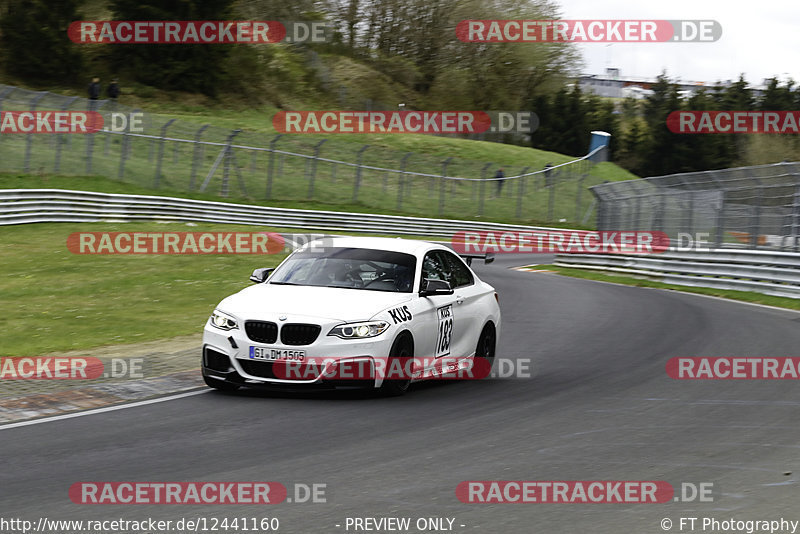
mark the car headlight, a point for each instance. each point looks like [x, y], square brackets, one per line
[359, 330]
[223, 321]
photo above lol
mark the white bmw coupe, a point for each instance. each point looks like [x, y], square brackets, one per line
[353, 312]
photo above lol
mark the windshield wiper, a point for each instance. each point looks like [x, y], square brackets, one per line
[285, 284]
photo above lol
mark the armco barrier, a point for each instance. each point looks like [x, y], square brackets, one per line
[20, 206]
[767, 272]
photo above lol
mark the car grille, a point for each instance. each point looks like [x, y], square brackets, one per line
[261, 331]
[298, 371]
[259, 369]
[299, 334]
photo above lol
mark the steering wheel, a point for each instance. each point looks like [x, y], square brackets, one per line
[380, 278]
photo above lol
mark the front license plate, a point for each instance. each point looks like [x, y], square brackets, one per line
[264, 353]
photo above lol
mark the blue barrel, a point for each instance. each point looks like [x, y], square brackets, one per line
[599, 139]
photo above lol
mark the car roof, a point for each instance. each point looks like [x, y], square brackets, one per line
[408, 246]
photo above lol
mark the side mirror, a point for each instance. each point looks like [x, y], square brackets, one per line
[431, 287]
[259, 276]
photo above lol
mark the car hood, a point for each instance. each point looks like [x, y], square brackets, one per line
[263, 301]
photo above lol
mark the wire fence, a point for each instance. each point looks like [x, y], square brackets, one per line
[174, 155]
[748, 207]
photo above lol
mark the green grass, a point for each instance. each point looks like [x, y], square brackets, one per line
[54, 300]
[603, 276]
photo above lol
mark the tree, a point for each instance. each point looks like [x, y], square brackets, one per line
[186, 67]
[35, 43]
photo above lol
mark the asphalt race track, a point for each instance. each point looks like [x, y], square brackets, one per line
[600, 406]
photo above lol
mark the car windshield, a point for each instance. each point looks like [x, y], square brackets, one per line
[352, 268]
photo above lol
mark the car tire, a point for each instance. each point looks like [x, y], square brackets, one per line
[219, 384]
[401, 348]
[487, 344]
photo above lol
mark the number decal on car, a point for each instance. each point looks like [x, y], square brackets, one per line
[445, 314]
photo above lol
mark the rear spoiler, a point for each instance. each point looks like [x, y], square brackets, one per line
[487, 257]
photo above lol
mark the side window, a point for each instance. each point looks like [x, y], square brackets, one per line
[460, 275]
[433, 267]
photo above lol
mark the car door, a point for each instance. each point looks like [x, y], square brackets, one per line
[467, 314]
[436, 319]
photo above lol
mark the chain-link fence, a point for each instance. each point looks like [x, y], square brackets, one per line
[172, 155]
[752, 207]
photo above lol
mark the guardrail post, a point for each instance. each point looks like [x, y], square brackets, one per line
[521, 191]
[796, 217]
[157, 180]
[313, 175]
[357, 181]
[442, 180]
[197, 156]
[482, 191]
[29, 137]
[402, 179]
[226, 164]
[271, 165]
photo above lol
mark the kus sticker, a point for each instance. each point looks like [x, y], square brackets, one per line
[400, 315]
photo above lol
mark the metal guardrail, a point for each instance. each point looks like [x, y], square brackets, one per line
[767, 272]
[21, 206]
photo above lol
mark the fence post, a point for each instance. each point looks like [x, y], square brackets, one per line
[29, 137]
[271, 164]
[401, 180]
[7, 91]
[226, 163]
[482, 192]
[755, 224]
[59, 137]
[551, 181]
[313, 175]
[90, 136]
[442, 180]
[161, 152]
[198, 148]
[521, 191]
[578, 197]
[357, 181]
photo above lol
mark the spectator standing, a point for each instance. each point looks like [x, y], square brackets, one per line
[113, 90]
[94, 89]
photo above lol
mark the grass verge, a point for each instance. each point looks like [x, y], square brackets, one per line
[55, 300]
